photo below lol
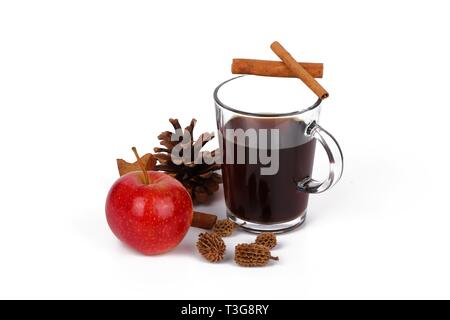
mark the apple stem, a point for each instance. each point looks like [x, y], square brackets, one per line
[141, 164]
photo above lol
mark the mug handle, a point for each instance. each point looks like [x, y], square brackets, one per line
[335, 157]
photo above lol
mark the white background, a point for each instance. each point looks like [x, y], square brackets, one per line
[83, 81]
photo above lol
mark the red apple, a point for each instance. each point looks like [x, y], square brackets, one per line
[152, 218]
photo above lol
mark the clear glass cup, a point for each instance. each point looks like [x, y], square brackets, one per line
[268, 128]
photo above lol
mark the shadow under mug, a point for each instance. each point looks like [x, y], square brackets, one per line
[268, 162]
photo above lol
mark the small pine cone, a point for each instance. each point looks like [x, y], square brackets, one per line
[224, 228]
[252, 255]
[267, 239]
[211, 246]
[198, 177]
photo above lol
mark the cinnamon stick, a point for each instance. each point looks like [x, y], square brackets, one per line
[273, 68]
[203, 220]
[298, 70]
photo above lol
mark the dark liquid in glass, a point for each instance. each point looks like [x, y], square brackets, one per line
[269, 199]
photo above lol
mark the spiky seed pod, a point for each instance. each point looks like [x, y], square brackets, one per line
[211, 246]
[267, 239]
[252, 255]
[224, 228]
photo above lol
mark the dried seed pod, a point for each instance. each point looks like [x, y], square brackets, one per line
[224, 228]
[252, 255]
[211, 246]
[267, 239]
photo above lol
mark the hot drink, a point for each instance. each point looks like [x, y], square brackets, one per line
[261, 198]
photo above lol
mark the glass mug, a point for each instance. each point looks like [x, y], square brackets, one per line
[267, 156]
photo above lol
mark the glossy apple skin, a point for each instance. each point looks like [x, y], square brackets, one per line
[152, 218]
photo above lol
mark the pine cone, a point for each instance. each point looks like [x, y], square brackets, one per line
[224, 228]
[267, 239]
[211, 246]
[199, 178]
[252, 255]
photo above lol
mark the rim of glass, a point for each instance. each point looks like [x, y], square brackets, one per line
[256, 114]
